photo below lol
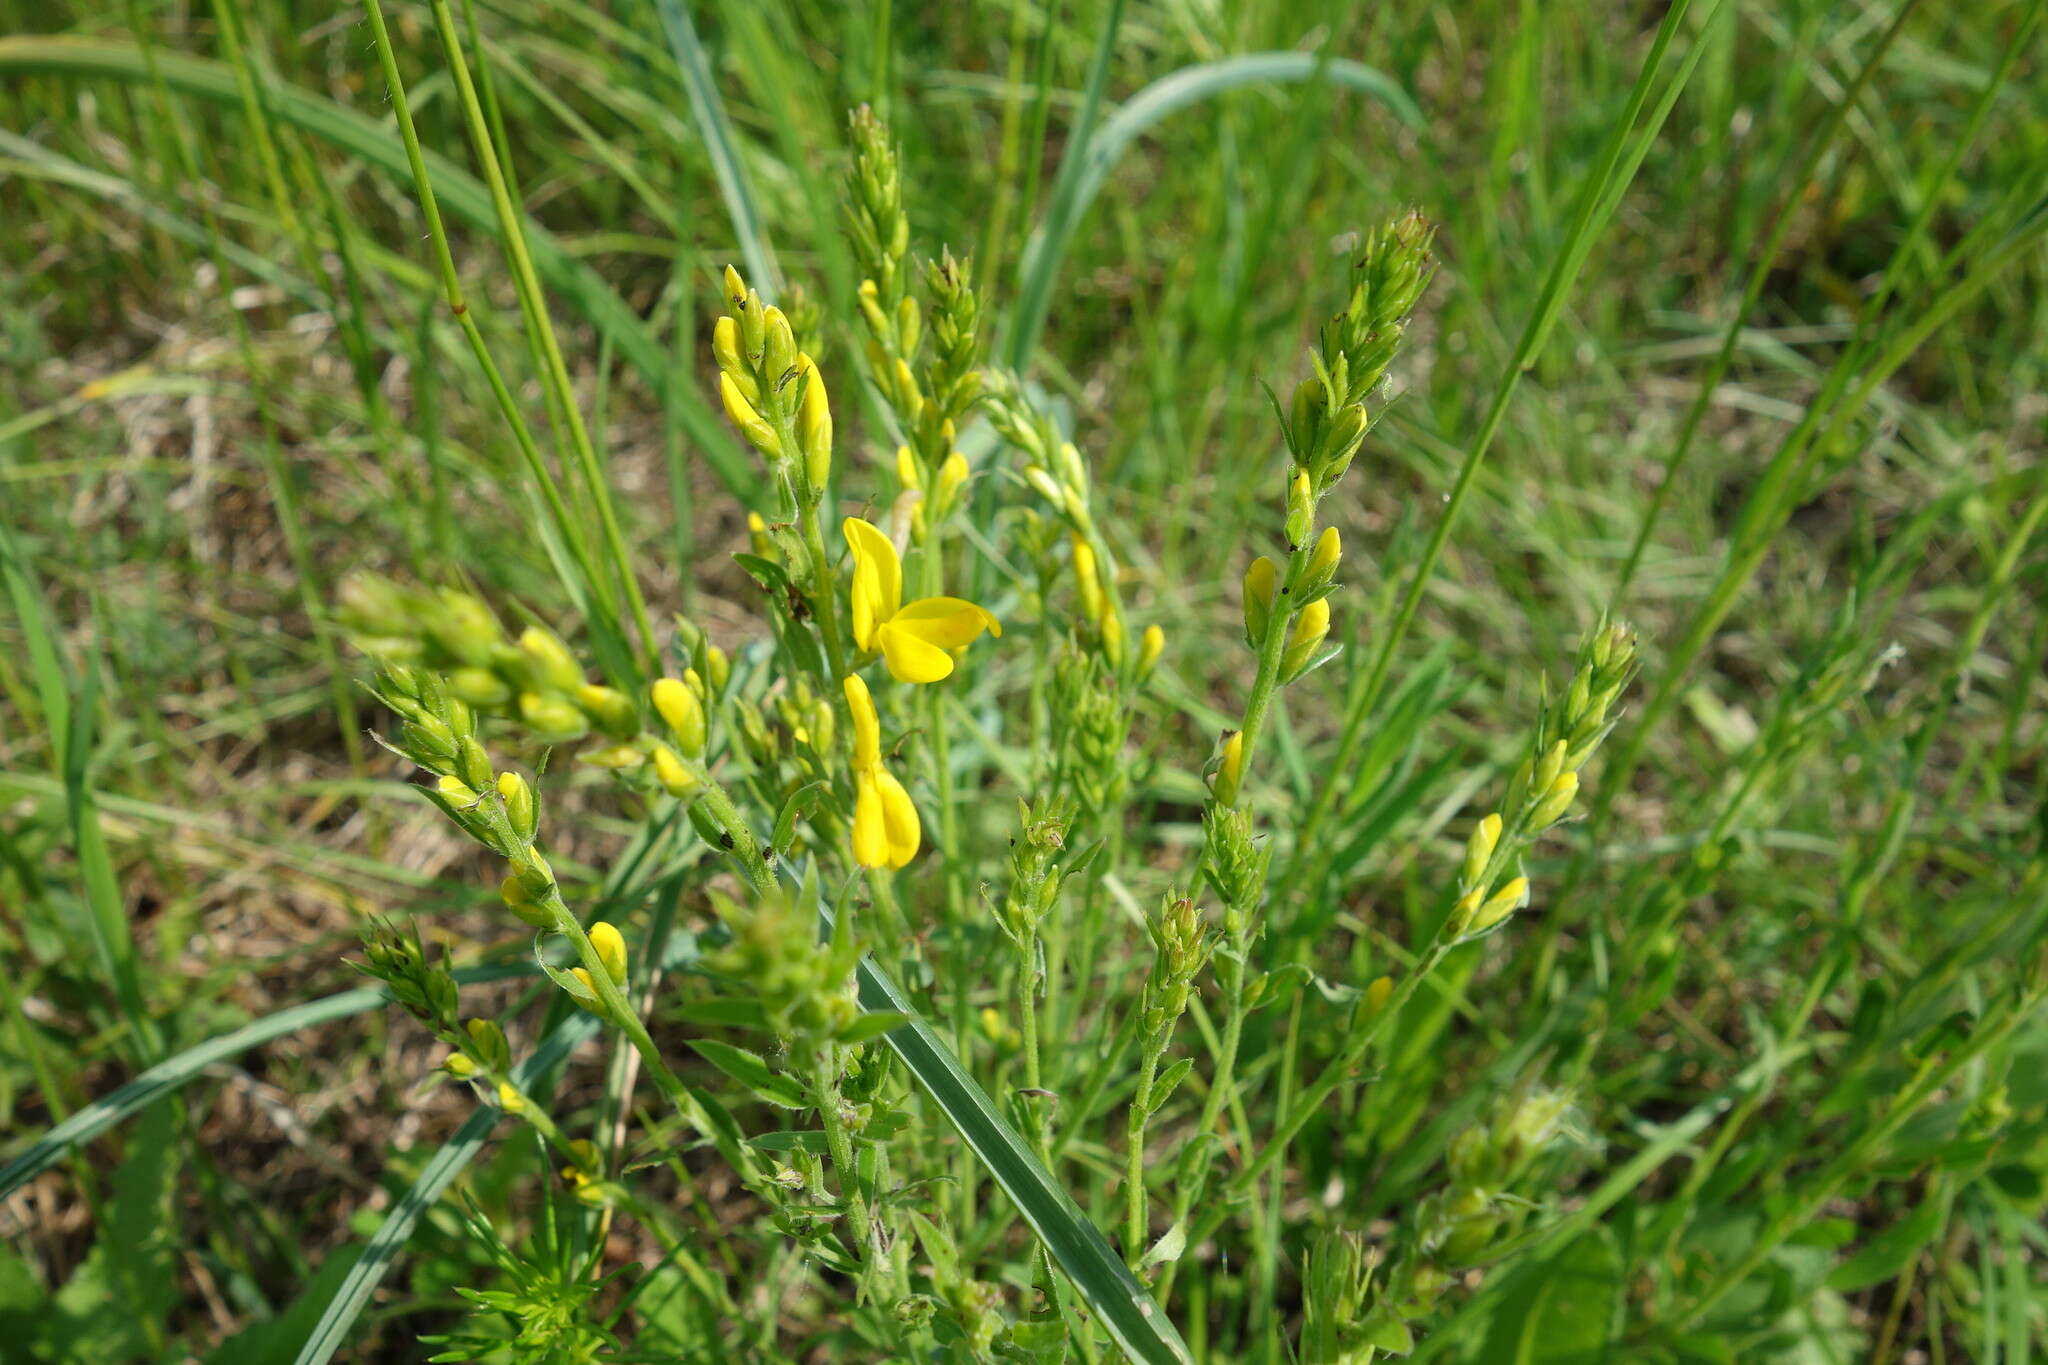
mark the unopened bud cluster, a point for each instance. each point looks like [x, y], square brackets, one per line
[1328, 418]
[1546, 784]
[1453, 1229]
[449, 641]
[773, 392]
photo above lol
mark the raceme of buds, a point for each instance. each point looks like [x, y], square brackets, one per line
[1180, 940]
[425, 991]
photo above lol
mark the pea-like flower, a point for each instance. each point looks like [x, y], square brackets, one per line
[916, 639]
[885, 825]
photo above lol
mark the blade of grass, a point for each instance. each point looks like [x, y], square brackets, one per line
[709, 111]
[68, 714]
[173, 1072]
[1041, 255]
[1134, 1319]
[1095, 159]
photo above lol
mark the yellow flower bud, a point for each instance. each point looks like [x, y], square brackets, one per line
[549, 661]
[1378, 993]
[520, 807]
[1086, 583]
[1301, 509]
[906, 468]
[593, 1001]
[952, 474]
[725, 348]
[814, 425]
[746, 418]
[1151, 645]
[1229, 769]
[1112, 636]
[1310, 627]
[757, 537]
[521, 901]
[683, 713]
[459, 1066]
[670, 771]
[1261, 585]
[1462, 913]
[778, 349]
[1548, 767]
[478, 687]
[1500, 905]
[718, 666]
[1322, 563]
[1479, 846]
[551, 718]
[1556, 800]
[458, 792]
[509, 1098]
[1048, 487]
[611, 950]
[610, 709]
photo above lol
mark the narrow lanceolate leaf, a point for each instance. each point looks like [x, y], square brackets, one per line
[168, 1075]
[716, 130]
[1093, 155]
[1134, 1319]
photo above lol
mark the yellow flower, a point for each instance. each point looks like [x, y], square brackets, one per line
[915, 639]
[885, 826]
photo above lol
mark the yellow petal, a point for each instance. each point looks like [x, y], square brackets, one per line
[871, 547]
[899, 818]
[911, 659]
[948, 622]
[870, 821]
[867, 728]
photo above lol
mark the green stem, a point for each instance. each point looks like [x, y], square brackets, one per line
[556, 370]
[1134, 1150]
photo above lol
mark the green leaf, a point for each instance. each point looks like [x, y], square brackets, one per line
[752, 1072]
[1884, 1256]
[789, 1141]
[1168, 1248]
[1168, 1081]
[1567, 1308]
[800, 803]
